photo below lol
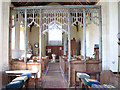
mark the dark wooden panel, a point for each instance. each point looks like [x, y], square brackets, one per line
[36, 3]
[54, 50]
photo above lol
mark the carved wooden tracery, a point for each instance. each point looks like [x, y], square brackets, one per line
[18, 17]
[57, 17]
[92, 15]
[60, 17]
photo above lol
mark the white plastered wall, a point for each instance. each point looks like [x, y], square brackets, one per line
[73, 32]
[105, 35]
[4, 38]
[109, 33]
[34, 38]
[5, 34]
[119, 31]
[113, 27]
[80, 37]
[1, 45]
[92, 38]
[17, 52]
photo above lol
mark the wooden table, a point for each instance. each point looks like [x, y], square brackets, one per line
[19, 72]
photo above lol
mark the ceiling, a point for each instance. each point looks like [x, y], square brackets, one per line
[35, 3]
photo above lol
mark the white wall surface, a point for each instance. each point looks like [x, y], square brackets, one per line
[34, 38]
[5, 34]
[92, 38]
[1, 45]
[73, 32]
[17, 52]
[80, 37]
[119, 31]
[113, 29]
[105, 35]
[110, 31]
[4, 38]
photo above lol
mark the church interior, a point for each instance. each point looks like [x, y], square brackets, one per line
[60, 45]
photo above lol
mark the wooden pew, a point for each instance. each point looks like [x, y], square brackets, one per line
[81, 80]
[19, 82]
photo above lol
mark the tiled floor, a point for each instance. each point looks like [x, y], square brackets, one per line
[53, 78]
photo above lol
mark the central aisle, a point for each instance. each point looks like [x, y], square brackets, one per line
[53, 78]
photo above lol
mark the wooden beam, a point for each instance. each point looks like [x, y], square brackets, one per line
[58, 6]
[10, 35]
[45, 41]
[100, 35]
[69, 46]
[40, 37]
[74, 2]
[40, 42]
[69, 36]
[84, 32]
[64, 36]
[25, 59]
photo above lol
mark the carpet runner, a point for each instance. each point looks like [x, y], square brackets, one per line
[54, 79]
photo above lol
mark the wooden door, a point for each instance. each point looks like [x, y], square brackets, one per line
[73, 48]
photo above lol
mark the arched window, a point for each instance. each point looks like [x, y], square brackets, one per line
[22, 38]
[13, 38]
[55, 35]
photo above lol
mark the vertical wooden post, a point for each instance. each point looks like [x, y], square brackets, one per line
[69, 36]
[40, 42]
[45, 41]
[69, 47]
[100, 35]
[46, 38]
[84, 32]
[10, 35]
[64, 36]
[25, 59]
